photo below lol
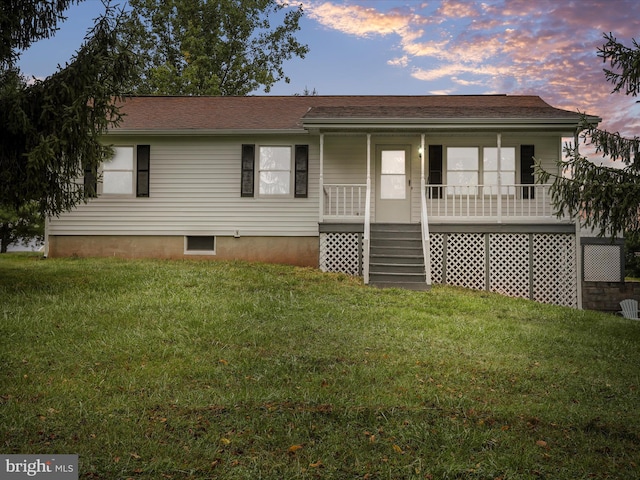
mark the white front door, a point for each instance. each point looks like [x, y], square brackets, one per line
[393, 184]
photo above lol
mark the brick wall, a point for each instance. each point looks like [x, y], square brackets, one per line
[606, 296]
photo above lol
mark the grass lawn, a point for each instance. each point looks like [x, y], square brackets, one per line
[188, 369]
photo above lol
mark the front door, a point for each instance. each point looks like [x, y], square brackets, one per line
[393, 184]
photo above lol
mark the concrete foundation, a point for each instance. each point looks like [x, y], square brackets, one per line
[300, 251]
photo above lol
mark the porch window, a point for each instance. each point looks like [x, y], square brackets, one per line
[275, 171]
[462, 170]
[507, 168]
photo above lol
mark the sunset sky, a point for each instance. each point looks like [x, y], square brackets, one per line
[368, 47]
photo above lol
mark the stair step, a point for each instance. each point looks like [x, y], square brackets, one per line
[392, 258]
[375, 268]
[396, 257]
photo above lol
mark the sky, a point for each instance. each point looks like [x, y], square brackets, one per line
[446, 47]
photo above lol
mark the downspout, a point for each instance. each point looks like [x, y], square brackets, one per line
[367, 216]
[424, 217]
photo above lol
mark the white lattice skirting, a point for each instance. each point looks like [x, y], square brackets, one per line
[340, 252]
[542, 267]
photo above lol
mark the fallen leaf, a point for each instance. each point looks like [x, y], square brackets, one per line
[225, 441]
[135, 455]
[541, 443]
[223, 361]
[294, 448]
[397, 449]
[318, 464]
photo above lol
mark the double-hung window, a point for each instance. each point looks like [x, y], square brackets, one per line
[507, 167]
[117, 173]
[469, 167]
[125, 174]
[462, 170]
[274, 170]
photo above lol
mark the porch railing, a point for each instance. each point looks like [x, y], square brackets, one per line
[451, 203]
[489, 202]
[345, 201]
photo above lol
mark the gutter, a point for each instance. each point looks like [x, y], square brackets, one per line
[204, 132]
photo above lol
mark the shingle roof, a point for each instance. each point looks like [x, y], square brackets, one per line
[277, 113]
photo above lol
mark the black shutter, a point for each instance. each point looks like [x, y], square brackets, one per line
[91, 182]
[301, 171]
[248, 167]
[143, 159]
[527, 152]
[435, 171]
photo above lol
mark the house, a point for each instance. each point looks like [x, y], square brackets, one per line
[402, 190]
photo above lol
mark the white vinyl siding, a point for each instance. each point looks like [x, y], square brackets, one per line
[195, 190]
[195, 184]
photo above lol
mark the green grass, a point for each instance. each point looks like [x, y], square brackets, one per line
[172, 369]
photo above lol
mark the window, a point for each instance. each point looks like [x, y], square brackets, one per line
[462, 170]
[275, 171]
[200, 245]
[507, 168]
[117, 173]
[282, 170]
[392, 175]
[465, 169]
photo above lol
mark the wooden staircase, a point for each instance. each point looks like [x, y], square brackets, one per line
[396, 258]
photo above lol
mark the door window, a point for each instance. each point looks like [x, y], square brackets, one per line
[393, 184]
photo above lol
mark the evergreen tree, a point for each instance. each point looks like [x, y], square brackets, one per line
[51, 128]
[20, 226]
[604, 198]
[205, 47]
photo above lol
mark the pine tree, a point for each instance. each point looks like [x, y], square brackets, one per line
[51, 128]
[606, 199]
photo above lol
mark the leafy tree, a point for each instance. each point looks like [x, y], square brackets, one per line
[606, 199]
[20, 225]
[205, 47]
[51, 128]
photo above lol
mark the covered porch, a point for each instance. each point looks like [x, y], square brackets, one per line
[401, 178]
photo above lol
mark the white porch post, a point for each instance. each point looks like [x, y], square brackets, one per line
[367, 215]
[499, 167]
[321, 181]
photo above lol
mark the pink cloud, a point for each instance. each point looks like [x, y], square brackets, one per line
[546, 47]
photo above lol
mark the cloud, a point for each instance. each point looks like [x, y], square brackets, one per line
[546, 47]
[399, 62]
[357, 20]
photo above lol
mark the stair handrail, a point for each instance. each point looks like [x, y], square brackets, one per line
[424, 224]
[424, 217]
